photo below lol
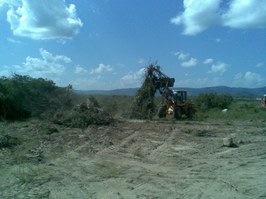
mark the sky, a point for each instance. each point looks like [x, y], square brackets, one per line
[106, 44]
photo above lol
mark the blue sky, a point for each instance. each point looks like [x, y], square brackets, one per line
[105, 44]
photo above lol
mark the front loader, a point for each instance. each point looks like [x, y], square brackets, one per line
[174, 102]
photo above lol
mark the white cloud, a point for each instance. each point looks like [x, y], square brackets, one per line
[249, 79]
[134, 76]
[133, 79]
[186, 60]
[9, 2]
[208, 61]
[101, 69]
[48, 66]
[249, 76]
[44, 19]
[199, 15]
[218, 68]
[182, 56]
[49, 58]
[246, 14]
[189, 63]
[79, 70]
[13, 41]
[260, 64]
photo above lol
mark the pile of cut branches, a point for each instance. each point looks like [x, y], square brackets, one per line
[84, 114]
[143, 105]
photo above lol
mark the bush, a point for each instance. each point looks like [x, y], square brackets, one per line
[24, 96]
[212, 100]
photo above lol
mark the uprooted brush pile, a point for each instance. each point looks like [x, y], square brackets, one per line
[143, 105]
[83, 115]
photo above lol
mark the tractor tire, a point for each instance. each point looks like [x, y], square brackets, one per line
[162, 112]
[177, 112]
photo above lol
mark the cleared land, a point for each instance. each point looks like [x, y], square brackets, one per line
[134, 159]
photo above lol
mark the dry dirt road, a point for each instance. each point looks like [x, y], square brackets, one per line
[134, 159]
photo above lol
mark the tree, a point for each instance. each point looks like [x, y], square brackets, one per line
[212, 100]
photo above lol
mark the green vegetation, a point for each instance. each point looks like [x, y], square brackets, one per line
[28, 173]
[238, 108]
[212, 100]
[246, 109]
[24, 96]
[143, 104]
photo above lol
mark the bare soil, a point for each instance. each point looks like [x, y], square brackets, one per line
[134, 159]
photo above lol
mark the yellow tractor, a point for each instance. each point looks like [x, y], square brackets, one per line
[177, 105]
[174, 102]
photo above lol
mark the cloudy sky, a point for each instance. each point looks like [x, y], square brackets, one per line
[104, 44]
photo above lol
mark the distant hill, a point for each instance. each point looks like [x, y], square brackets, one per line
[245, 92]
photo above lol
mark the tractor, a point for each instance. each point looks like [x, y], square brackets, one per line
[177, 105]
[174, 102]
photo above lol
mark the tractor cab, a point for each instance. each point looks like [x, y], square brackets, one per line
[180, 95]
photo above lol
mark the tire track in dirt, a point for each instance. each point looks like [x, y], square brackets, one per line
[149, 160]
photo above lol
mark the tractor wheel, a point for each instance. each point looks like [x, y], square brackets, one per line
[177, 112]
[162, 112]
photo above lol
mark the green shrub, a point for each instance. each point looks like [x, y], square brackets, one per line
[212, 100]
[239, 110]
[24, 96]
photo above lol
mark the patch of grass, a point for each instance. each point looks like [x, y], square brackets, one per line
[28, 173]
[239, 110]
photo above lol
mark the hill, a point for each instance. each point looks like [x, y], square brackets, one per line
[234, 91]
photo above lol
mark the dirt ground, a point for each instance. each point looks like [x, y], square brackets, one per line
[134, 159]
